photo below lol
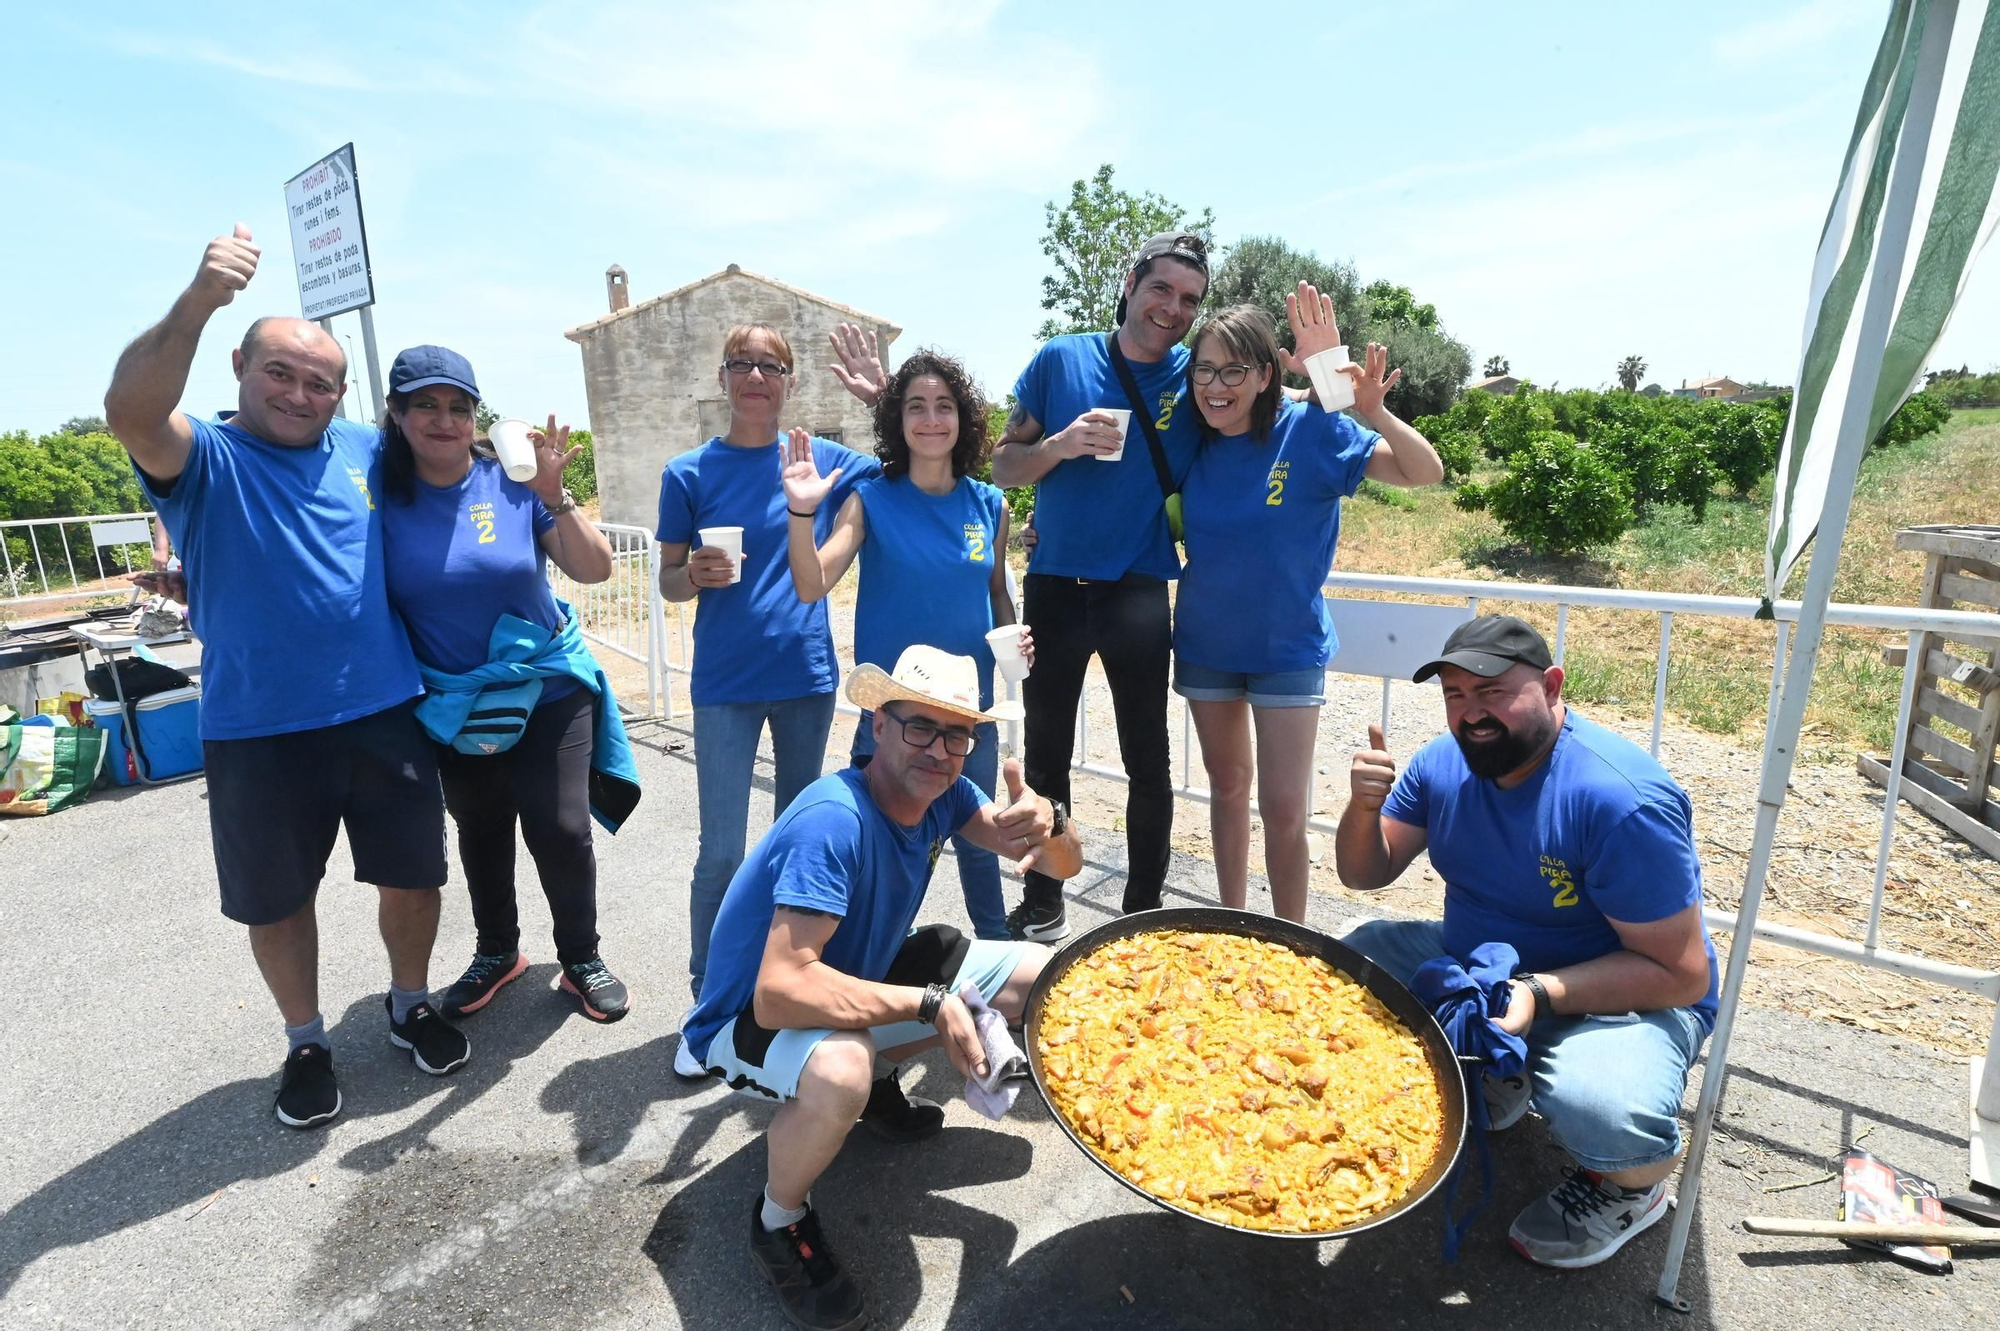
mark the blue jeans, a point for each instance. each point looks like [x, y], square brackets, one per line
[725, 755]
[978, 870]
[1610, 1087]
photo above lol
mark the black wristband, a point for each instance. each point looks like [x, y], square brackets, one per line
[795, 513]
[934, 996]
[1533, 983]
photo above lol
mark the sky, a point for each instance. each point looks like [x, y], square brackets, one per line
[1567, 183]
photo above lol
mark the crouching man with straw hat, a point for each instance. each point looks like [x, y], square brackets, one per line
[814, 971]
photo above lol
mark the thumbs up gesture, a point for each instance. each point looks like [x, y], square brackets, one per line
[226, 268]
[1025, 820]
[1373, 771]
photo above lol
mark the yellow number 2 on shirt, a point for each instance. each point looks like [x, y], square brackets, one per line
[486, 536]
[1277, 495]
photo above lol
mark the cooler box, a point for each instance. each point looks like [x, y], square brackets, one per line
[169, 732]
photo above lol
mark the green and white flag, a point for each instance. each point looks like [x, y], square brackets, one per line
[1934, 92]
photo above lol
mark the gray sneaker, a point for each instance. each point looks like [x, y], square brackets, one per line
[1584, 1220]
[1506, 1100]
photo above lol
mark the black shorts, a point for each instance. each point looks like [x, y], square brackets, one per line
[276, 803]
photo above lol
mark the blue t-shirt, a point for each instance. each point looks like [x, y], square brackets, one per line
[833, 850]
[1106, 519]
[283, 553]
[1261, 521]
[927, 572]
[1598, 830]
[459, 557]
[755, 640]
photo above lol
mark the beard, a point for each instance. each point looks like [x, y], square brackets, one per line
[1498, 749]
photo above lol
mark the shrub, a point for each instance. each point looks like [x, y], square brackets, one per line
[1470, 497]
[1921, 414]
[1663, 464]
[1458, 450]
[1741, 442]
[580, 476]
[1514, 421]
[1561, 497]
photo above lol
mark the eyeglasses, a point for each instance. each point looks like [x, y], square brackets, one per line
[921, 733]
[770, 369]
[1231, 375]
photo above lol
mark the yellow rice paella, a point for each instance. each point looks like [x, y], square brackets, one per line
[1239, 1080]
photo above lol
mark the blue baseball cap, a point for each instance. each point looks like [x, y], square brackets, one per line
[421, 367]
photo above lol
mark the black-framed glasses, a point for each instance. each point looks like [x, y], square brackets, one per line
[1231, 375]
[740, 367]
[921, 732]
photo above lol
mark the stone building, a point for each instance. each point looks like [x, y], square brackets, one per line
[649, 373]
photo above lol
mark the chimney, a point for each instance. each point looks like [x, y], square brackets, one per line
[617, 287]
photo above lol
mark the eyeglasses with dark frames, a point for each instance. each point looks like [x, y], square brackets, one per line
[1231, 374]
[921, 732]
[741, 368]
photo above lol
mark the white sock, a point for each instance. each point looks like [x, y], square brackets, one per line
[777, 1217]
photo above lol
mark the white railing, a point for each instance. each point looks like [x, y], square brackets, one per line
[41, 556]
[622, 614]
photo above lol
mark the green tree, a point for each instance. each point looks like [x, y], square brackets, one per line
[1496, 365]
[84, 425]
[1092, 239]
[1560, 497]
[1394, 304]
[483, 417]
[1630, 371]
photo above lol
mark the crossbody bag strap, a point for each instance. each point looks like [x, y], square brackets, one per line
[1144, 415]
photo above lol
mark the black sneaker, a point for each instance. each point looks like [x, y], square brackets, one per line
[1038, 924]
[435, 1044]
[308, 1096]
[482, 979]
[814, 1290]
[594, 986]
[895, 1117]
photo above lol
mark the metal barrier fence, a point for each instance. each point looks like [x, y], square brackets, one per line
[42, 556]
[623, 614]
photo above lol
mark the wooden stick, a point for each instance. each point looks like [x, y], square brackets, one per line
[1950, 1236]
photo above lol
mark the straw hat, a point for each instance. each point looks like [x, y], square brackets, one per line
[931, 676]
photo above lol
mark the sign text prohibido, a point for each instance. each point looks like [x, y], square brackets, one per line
[323, 204]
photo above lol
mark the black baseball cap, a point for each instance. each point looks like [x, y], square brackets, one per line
[1489, 645]
[1186, 246]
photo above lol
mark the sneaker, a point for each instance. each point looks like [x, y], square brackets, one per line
[1038, 924]
[435, 1044]
[1584, 1220]
[1506, 1100]
[811, 1285]
[686, 1065]
[308, 1096]
[594, 986]
[482, 979]
[895, 1117]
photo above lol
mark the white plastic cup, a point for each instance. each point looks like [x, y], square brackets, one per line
[729, 539]
[1330, 382]
[1006, 644]
[516, 451]
[1124, 415]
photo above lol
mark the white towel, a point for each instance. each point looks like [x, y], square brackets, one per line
[993, 1095]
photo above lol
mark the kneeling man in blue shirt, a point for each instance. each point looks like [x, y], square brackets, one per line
[1573, 846]
[814, 971]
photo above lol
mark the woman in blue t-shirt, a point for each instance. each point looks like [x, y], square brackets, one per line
[1261, 511]
[932, 542]
[464, 545]
[761, 656]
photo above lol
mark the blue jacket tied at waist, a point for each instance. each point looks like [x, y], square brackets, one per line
[484, 710]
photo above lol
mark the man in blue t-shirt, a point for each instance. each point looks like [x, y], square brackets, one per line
[308, 683]
[1097, 578]
[815, 972]
[1574, 847]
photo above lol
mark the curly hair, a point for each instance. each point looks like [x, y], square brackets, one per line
[894, 450]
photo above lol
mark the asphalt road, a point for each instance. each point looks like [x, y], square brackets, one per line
[565, 1178]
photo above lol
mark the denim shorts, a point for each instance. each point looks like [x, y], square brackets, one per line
[1609, 1086]
[1277, 688]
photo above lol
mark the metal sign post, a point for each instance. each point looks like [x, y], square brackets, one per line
[330, 250]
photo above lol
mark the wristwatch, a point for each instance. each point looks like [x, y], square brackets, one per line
[1061, 823]
[1534, 986]
[568, 503]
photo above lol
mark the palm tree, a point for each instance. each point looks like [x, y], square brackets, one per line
[1497, 365]
[1630, 371]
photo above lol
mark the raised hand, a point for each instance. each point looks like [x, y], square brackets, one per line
[552, 455]
[858, 363]
[805, 488]
[1373, 772]
[226, 268]
[1370, 386]
[1027, 820]
[1314, 328]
